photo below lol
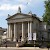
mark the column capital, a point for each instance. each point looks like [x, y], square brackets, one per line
[14, 23]
[31, 21]
[9, 23]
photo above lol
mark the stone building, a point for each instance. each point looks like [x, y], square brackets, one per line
[2, 30]
[48, 31]
[22, 26]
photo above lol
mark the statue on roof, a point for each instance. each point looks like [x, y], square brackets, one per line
[8, 15]
[30, 13]
[19, 10]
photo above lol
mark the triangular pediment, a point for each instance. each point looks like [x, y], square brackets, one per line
[18, 16]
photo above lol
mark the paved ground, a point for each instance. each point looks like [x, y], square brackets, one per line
[22, 48]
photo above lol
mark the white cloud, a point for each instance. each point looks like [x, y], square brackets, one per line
[6, 7]
[5, 1]
[24, 0]
[24, 4]
[11, 7]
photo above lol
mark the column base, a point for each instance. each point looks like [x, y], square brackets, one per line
[17, 45]
[19, 40]
[8, 39]
[14, 39]
[22, 39]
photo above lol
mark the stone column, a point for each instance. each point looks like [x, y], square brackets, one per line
[22, 31]
[8, 32]
[31, 30]
[11, 31]
[30, 27]
[28, 31]
[14, 31]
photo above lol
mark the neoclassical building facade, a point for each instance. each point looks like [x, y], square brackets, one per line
[22, 26]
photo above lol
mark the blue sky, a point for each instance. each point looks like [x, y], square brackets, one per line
[11, 7]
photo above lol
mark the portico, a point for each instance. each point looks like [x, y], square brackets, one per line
[13, 30]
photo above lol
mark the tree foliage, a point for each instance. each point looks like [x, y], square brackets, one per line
[46, 15]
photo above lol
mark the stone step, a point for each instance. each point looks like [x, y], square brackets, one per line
[23, 48]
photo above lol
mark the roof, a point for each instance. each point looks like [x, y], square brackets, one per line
[2, 29]
[32, 15]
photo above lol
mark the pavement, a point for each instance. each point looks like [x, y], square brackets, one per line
[23, 48]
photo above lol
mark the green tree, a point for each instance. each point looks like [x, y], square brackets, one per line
[46, 15]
